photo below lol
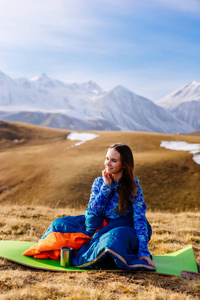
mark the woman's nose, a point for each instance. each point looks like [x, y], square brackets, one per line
[108, 162]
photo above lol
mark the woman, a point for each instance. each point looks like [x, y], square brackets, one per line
[117, 194]
[114, 226]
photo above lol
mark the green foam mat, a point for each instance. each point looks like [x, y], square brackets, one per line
[168, 264]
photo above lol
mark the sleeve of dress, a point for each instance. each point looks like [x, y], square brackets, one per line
[140, 222]
[99, 197]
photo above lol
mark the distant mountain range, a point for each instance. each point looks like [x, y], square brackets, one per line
[184, 103]
[52, 103]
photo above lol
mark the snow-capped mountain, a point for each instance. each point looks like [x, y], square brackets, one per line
[133, 112]
[184, 103]
[49, 102]
[53, 94]
[11, 93]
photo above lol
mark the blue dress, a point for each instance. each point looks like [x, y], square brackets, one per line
[122, 241]
[103, 202]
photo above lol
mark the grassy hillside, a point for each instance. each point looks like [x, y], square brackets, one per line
[29, 223]
[43, 167]
[42, 177]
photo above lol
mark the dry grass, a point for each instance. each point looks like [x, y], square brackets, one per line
[29, 223]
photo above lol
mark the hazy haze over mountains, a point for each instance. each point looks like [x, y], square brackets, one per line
[49, 102]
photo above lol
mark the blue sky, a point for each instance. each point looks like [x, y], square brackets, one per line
[152, 47]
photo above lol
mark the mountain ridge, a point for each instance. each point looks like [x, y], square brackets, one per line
[186, 93]
[83, 106]
[184, 103]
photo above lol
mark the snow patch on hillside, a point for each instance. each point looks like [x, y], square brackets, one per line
[82, 137]
[183, 146]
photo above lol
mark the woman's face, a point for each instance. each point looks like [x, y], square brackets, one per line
[113, 163]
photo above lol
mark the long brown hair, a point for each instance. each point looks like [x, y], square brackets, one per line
[127, 186]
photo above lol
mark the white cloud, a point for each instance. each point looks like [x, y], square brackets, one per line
[62, 26]
[73, 24]
[45, 23]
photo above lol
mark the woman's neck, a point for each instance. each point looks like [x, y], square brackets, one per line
[117, 177]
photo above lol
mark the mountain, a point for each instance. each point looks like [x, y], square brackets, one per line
[184, 103]
[133, 112]
[52, 103]
[11, 94]
[51, 94]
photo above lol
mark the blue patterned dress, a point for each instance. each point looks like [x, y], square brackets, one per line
[103, 202]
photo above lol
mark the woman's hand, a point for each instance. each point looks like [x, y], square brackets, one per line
[107, 177]
[149, 260]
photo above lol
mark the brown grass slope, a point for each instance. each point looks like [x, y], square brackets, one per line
[43, 167]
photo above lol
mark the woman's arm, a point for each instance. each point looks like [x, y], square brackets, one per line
[98, 201]
[99, 197]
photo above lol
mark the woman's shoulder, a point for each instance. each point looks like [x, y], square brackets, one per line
[138, 186]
